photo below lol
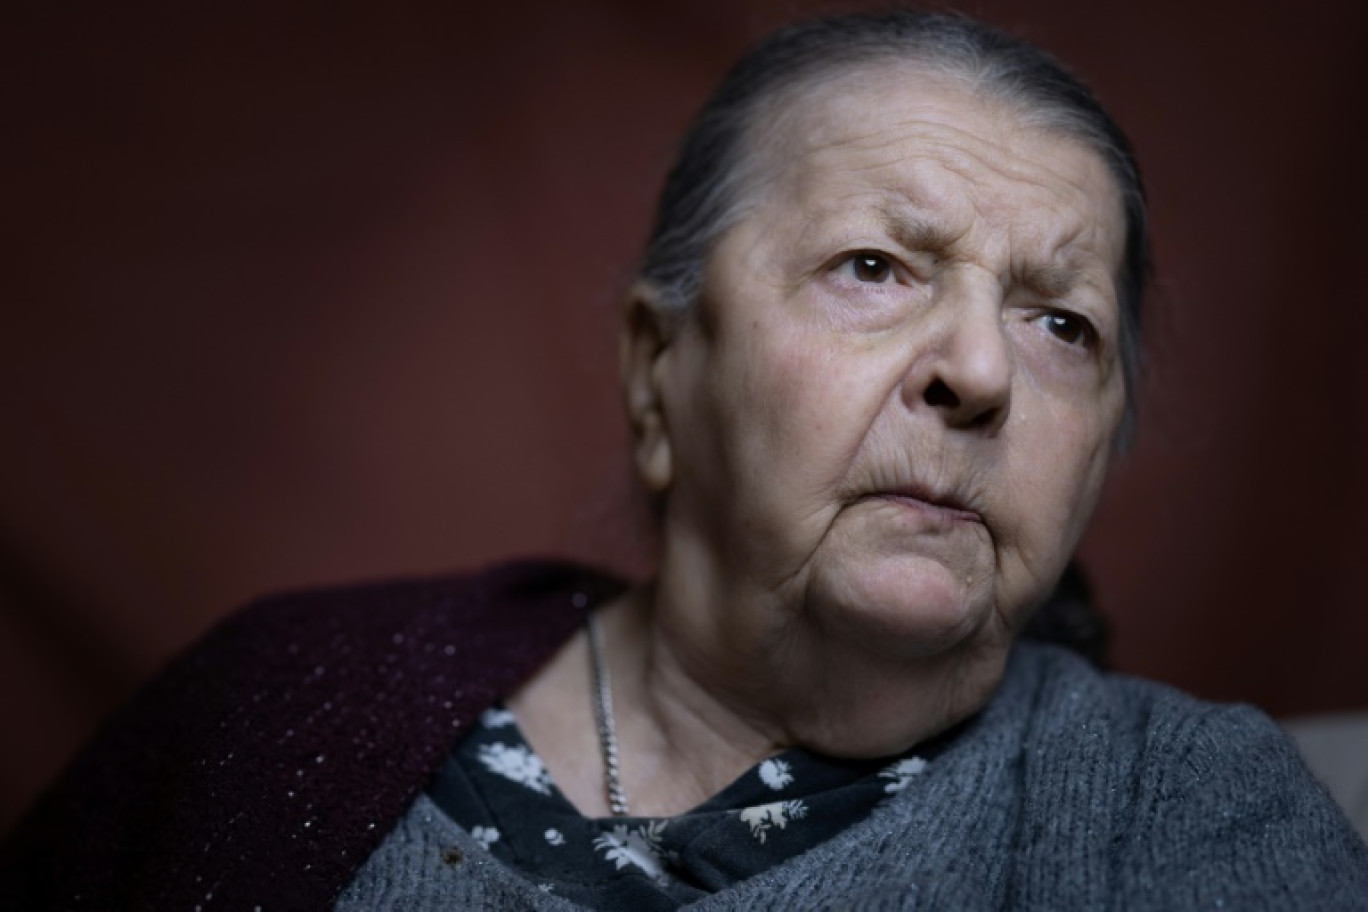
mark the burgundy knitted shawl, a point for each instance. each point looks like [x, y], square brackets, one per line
[262, 768]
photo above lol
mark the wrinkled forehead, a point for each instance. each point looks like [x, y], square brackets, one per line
[900, 127]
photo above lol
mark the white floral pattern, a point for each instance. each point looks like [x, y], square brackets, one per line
[902, 773]
[555, 837]
[775, 773]
[638, 846]
[764, 817]
[496, 717]
[516, 763]
[485, 836]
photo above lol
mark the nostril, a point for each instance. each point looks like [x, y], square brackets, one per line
[939, 395]
[959, 412]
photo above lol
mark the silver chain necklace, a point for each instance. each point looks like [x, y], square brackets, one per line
[607, 728]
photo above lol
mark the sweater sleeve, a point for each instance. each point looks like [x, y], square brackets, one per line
[1228, 816]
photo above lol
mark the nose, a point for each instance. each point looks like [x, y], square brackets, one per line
[964, 369]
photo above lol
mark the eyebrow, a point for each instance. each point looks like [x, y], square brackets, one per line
[1049, 281]
[916, 231]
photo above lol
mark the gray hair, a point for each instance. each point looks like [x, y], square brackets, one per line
[707, 189]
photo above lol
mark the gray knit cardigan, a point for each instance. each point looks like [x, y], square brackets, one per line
[1072, 790]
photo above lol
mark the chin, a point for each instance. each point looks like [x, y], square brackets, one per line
[905, 607]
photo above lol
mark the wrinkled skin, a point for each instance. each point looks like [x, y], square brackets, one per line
[877, 440]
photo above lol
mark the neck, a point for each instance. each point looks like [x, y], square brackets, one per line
[680, 742]
[700, 695]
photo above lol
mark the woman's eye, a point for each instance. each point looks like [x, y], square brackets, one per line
[1067, 327]
[871, 267]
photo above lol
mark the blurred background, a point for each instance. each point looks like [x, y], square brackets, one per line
[296, 294]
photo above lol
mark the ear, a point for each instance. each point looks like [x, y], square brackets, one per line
[646, 333]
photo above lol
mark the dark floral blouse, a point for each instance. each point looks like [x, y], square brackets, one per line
[495, 787]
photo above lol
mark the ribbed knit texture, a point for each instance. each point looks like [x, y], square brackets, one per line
[1073, 790]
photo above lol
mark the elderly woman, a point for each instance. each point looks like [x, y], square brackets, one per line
[876, 362]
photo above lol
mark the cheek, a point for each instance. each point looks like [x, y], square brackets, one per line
[816, 396]
[1060, 455]
[1064, 418]
[797, 408]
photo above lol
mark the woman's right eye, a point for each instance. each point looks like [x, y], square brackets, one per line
[873, 268]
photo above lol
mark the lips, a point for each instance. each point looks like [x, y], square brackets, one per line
[944, 505]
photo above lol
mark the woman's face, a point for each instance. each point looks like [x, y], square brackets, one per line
[896, 403]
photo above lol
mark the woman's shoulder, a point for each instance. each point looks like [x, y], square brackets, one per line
[1157, 721]
[374, 606]
[287, 739]
[1156, 729]
[1201, 801]
[428, 629]
[1062, 684]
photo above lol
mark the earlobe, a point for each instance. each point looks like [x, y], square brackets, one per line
[643, 348]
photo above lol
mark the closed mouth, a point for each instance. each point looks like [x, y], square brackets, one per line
[944, 505]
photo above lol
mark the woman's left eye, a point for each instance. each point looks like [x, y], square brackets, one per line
[1067, 327]
[873, 268]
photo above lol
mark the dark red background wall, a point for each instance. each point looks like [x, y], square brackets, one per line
[296, 296]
